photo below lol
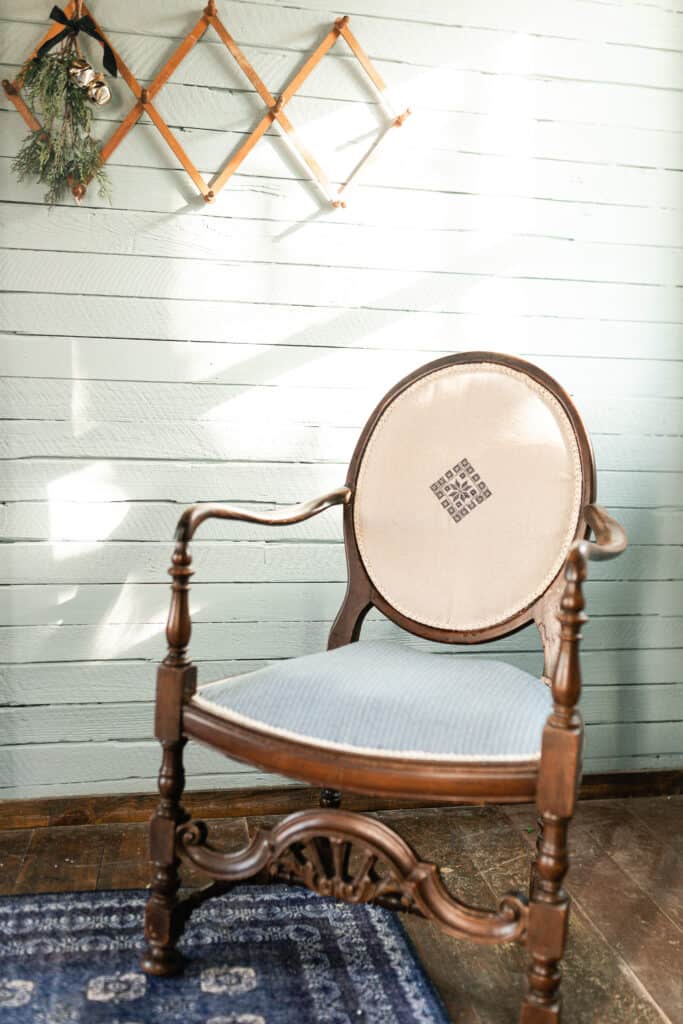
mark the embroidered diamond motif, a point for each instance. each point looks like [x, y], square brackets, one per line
[460, 490]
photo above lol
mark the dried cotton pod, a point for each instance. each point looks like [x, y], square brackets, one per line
[81, 72]
[98, 91]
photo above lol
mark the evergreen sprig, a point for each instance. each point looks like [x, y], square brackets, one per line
[62, 154]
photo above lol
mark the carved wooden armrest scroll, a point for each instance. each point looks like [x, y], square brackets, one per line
[610, 541]
[356, 859]
[179, 623]
[193, 516]
[561, 753]
[610, 536]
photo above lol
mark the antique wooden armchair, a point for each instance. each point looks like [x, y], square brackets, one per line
[467, 506]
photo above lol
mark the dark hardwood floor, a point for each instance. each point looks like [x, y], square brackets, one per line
[625, 959]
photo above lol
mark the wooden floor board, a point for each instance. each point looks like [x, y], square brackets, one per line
[663, 816]
[626, 932]
[476, 983]
[617, 911]
[13, 848]
[650, 857]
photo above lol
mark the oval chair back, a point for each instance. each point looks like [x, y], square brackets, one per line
[468, 484]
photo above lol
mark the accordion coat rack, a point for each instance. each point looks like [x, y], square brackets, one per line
[274, 107]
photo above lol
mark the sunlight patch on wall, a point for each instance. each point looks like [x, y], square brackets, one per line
[121, 631]
[73, 516]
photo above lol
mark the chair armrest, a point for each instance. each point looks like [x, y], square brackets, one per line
[193, 516]
[610, 536]
[610, 541]
[179, 624]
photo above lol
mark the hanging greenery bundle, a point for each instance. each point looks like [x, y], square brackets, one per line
[61, 88]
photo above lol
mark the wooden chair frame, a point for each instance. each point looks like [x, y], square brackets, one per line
[275, 112]
[314, 848]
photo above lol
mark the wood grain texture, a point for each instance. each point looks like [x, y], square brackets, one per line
[652, 514]
[162, 402]
[289, 639]
[303, 443]
[416, 43]
[158, 352]
[142, 277]
[299, 364]
[464, 171]
[50, 604]
[484, 849]
[93, 561]
[166, 190]
[74, 723]
[596, 21]
[342, 244]
[131, 808]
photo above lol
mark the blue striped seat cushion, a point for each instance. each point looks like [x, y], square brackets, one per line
[385, 698]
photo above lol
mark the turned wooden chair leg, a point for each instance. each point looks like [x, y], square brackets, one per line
[537, 854]
[162, 925]
[176, 682]
[330, 797]
[548, 920]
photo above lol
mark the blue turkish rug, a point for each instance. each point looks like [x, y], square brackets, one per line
[271, 955]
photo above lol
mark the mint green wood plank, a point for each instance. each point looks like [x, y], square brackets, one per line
[31, 766]
[295, 443]
[628, 739]
[76, 562]
[73, 723]
[465, 122]
[650, 503]
[215, 781]
[251, 640]
[413, 42]
[622, 23]
[396, 164]
[50, 604]
[632, 763]
[144, 277]
[38, 398]
[293, 364]
[107, 682]
[281, 198]
[337, 243]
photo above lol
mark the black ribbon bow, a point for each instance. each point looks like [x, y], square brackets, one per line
[73, 27]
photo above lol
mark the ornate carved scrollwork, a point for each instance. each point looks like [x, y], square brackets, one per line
[342, 868]
[356, 859]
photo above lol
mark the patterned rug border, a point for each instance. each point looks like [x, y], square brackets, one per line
[368, 948]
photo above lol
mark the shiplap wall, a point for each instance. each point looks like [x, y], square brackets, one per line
[161, 351]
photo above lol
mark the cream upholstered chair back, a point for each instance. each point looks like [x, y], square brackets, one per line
[468, 483]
